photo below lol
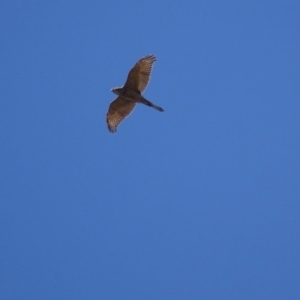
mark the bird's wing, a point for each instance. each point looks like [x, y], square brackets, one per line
[118, 110]
[139, 75]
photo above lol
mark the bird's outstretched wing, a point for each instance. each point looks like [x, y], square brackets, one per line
[139, 76]
[118, 110]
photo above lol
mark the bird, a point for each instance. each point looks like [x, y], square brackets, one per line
[131, 93]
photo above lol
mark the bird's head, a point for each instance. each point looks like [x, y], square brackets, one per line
[116, 90]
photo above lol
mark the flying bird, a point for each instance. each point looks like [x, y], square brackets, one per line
[131, 93]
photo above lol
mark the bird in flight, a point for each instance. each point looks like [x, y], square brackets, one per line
[131, 93]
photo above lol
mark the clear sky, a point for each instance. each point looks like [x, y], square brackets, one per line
[201, 201]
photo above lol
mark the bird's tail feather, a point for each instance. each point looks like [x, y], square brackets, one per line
[148, 103]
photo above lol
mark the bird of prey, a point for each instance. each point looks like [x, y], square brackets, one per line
[131, 93]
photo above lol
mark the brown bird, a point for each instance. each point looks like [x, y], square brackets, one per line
[131, 93]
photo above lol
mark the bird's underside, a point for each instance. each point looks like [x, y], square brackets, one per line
[131, 93]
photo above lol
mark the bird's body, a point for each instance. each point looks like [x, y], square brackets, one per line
[134, 96]
[131, 93]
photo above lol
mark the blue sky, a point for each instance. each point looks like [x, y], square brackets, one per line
[199, 202]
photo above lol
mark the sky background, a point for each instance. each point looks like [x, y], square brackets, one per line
[201, 201]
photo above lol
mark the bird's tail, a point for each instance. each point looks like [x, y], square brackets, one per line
[148, 103]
